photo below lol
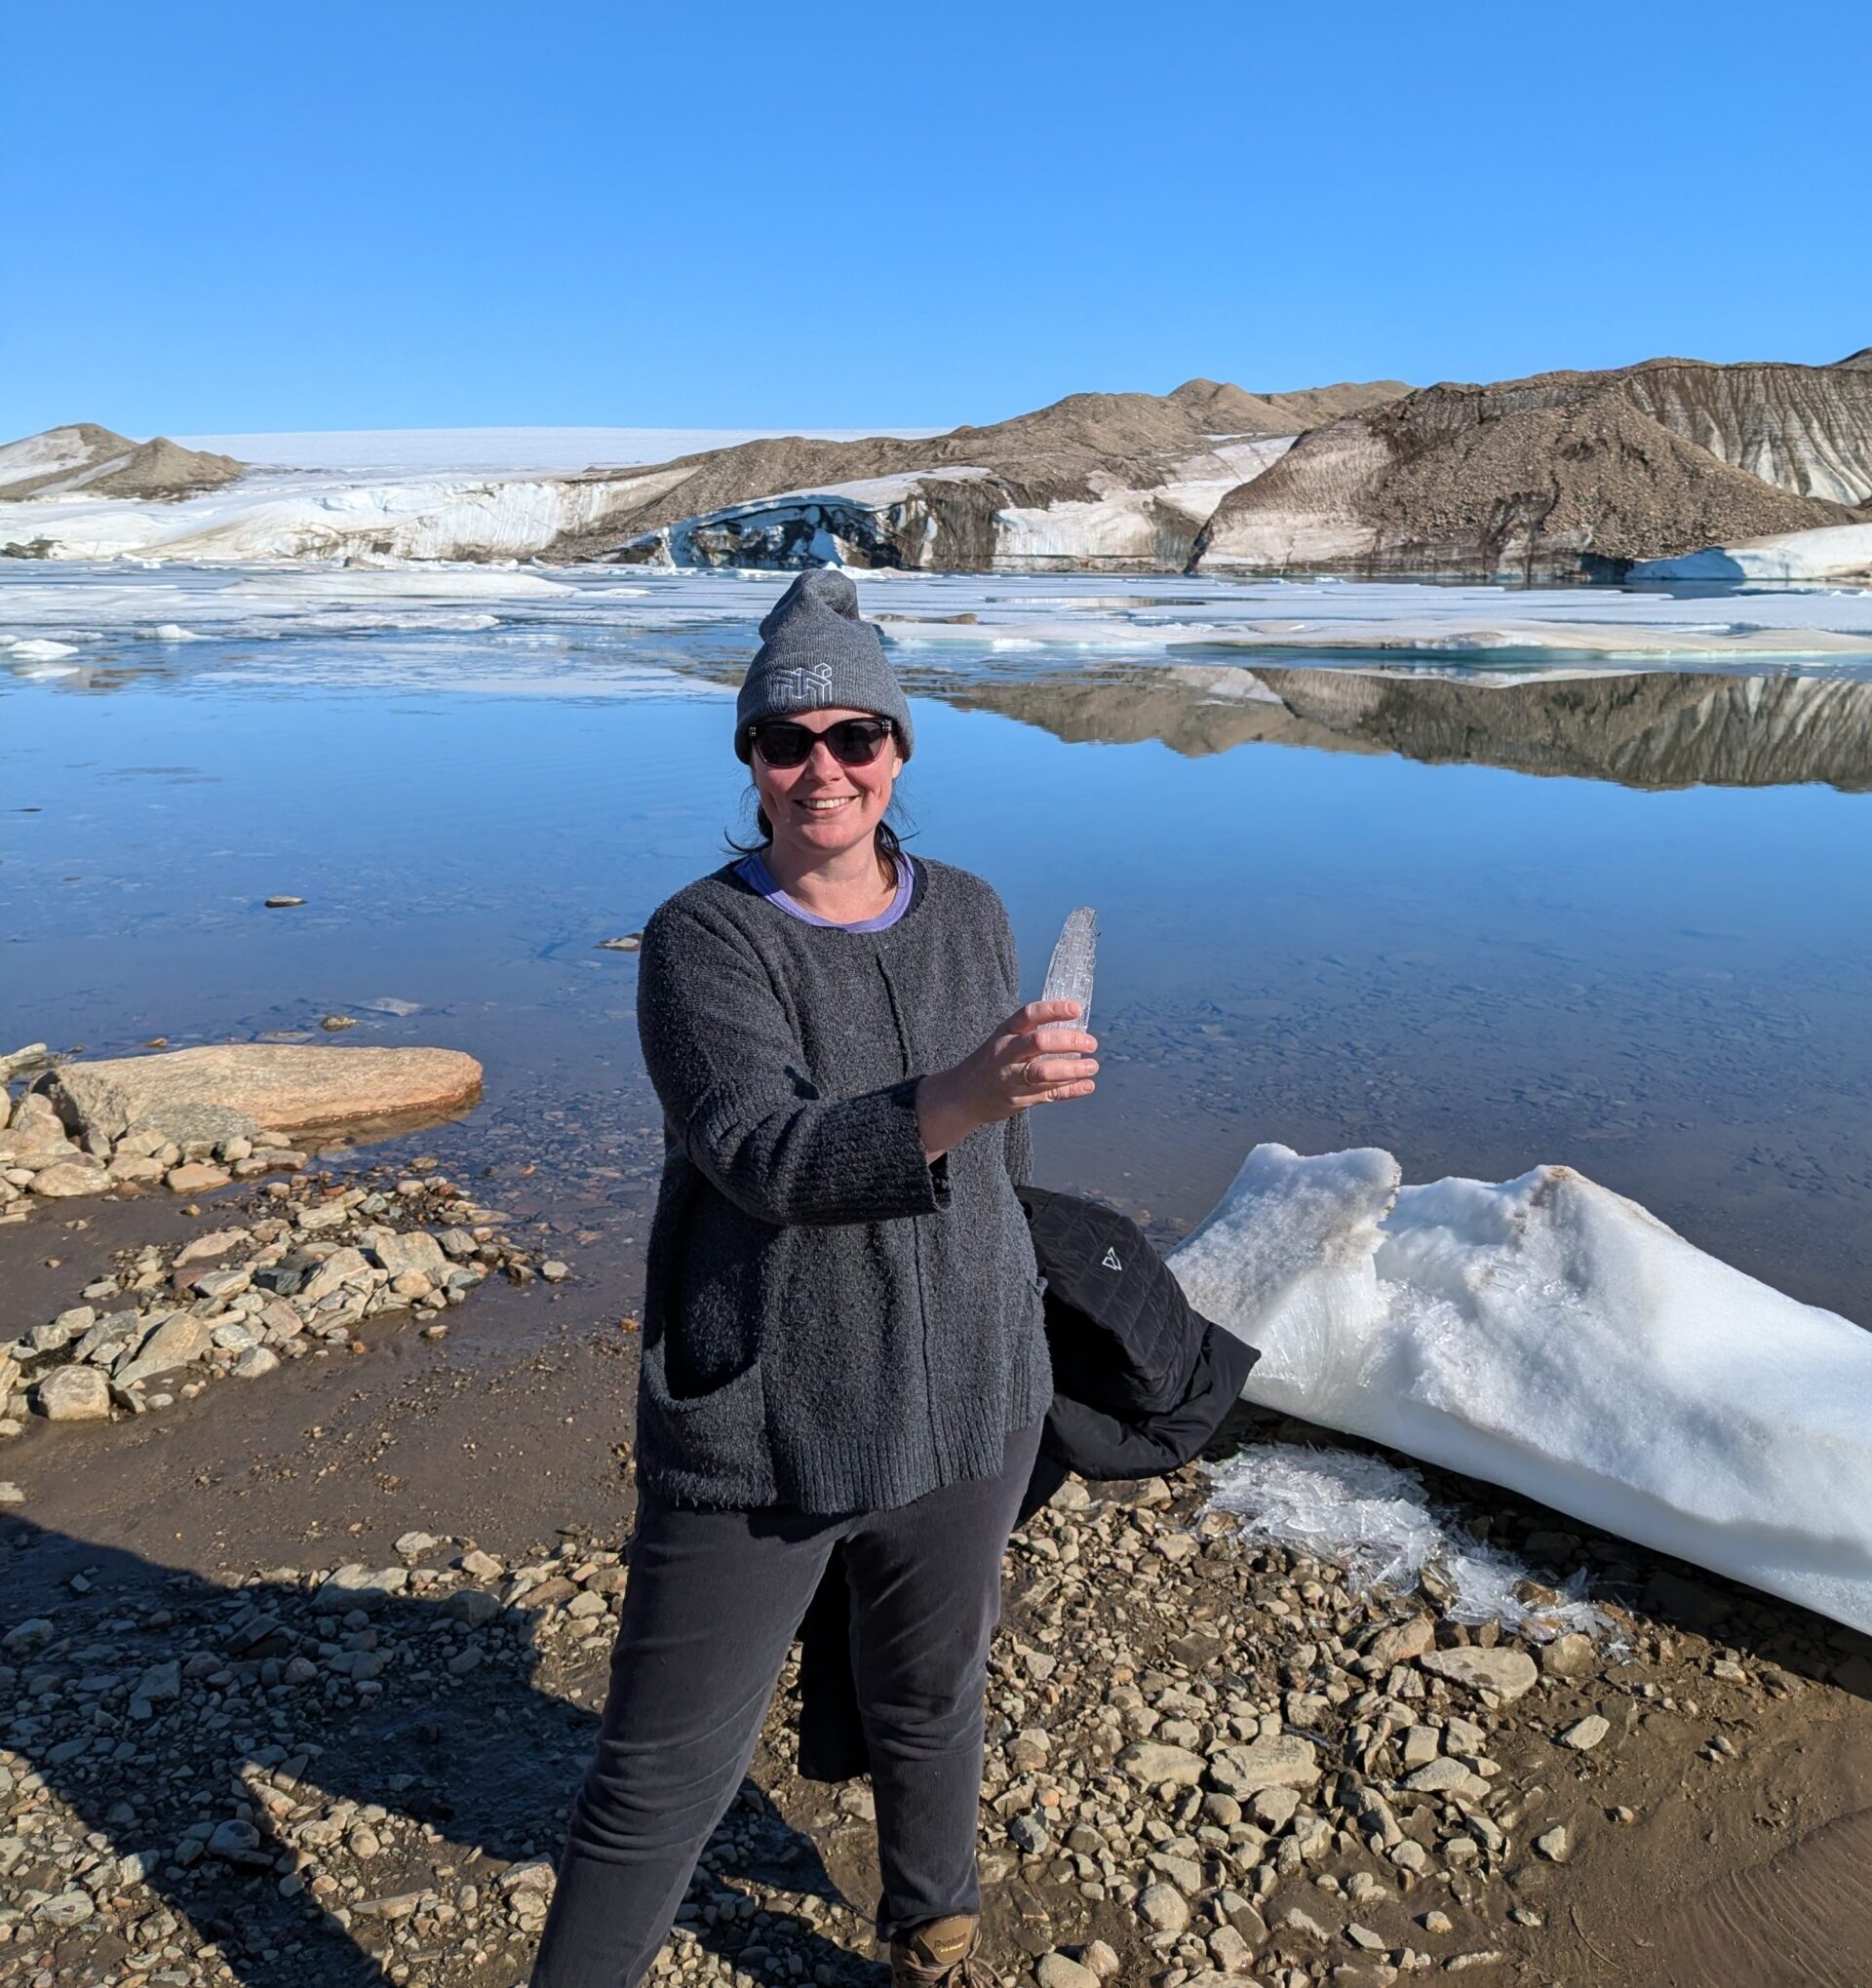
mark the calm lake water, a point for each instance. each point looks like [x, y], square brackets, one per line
[1326, 929]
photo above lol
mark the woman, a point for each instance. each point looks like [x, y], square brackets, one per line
[843, 1340]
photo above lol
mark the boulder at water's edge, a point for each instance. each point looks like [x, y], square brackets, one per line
[285, 1087]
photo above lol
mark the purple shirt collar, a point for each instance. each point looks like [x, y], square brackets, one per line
[756, 874]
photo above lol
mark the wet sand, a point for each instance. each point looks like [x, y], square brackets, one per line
[508, 1428]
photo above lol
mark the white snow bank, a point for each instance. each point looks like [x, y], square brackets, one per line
[1831, 552]
[1152, 523]
[874, 490]
[1377, 1521]
[1550, 1336]
[314, 521]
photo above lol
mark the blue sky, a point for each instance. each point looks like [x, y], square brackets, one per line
[231, 216]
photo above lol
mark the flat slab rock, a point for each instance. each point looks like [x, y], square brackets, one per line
[285, 1087]
[1150, 1764]
[179, 1342]
[1509, 1673]
[1287, 1762]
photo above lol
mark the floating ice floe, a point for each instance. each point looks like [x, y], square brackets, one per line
[1549, 1336]
[952, 623]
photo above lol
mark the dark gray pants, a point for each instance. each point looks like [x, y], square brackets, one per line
[713, 1602]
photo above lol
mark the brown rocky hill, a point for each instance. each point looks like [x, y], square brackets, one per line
[162, 468]
[1086, 449]
[1231, 411]
[83, 456]
[1562, 474]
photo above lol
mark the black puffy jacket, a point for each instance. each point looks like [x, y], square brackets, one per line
[1141, 1382]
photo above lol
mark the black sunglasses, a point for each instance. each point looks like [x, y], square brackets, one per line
[852, 741]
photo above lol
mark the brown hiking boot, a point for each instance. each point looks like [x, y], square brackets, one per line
[941, 1955]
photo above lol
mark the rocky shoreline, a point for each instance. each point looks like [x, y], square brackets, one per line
[313, 1258]
[308, 1260]
[1214, 1759]
[194, 1120]
[1211, 1763]
[192, 1151]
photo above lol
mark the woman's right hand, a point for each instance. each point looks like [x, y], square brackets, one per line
[1028, 1060]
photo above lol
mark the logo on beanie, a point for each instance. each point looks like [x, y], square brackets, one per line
[797, 683]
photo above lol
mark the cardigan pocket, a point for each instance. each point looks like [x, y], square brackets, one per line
[714, 1434]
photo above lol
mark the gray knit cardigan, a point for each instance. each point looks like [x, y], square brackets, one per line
[831, 1321]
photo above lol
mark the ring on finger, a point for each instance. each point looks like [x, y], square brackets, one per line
[1027, 1069]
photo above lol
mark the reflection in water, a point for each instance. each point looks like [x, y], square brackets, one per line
[1363, 944]
[1649, 730]
[140, 666]
[1653, 729]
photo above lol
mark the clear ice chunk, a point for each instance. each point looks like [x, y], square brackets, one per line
[1069, 975]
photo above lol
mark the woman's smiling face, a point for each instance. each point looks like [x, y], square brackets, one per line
[821, 808]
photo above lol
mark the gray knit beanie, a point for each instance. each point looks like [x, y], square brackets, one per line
[817, 653]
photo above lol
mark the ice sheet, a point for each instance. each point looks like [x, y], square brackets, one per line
[290, 518]
[593, 632]
[489, 452]
[1025, 620]
[1550, 1336]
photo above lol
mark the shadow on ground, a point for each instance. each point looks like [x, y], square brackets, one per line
[264, 1733]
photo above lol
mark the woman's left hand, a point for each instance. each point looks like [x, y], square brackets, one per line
[1029, 1059]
